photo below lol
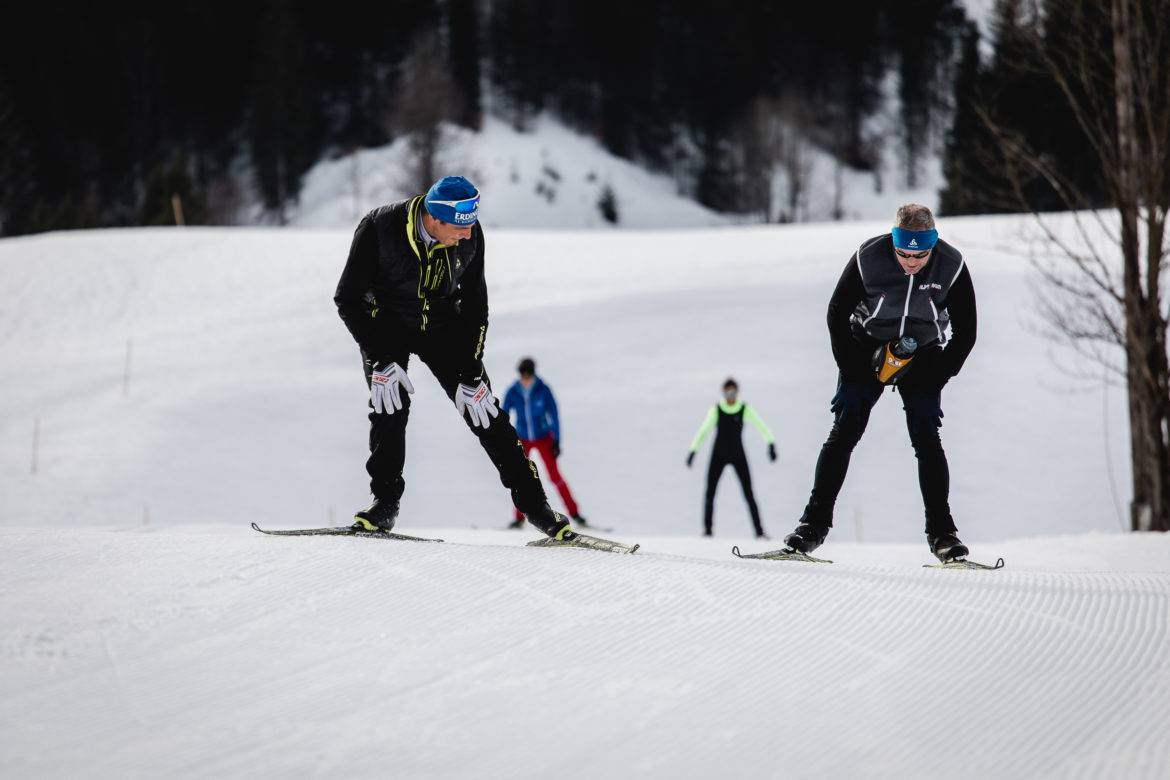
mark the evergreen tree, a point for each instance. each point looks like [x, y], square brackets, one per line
[284, 122]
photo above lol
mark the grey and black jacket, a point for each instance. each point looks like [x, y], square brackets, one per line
[393, 291]
[876, 301]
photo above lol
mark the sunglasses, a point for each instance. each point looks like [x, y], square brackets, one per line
[909, 256]
[465, 206]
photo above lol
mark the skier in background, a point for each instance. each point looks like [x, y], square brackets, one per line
[906, 283]
[727, 418]
[414, 284]
[539, 427]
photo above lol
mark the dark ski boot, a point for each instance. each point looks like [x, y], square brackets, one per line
[552, 524]
[378, 516]
[517, 523]
[946, 547]
[807, 537]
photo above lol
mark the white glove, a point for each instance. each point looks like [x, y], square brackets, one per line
[384, 390]
[477, 400]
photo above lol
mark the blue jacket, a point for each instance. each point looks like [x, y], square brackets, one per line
[536, 410]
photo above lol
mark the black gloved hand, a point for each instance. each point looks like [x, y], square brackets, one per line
[853, 400]
[772, 452]
[556, 448]
[690, 458]
[923, 409]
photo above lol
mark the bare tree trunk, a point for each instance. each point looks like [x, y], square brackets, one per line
[1147, 440]
[1119, 98]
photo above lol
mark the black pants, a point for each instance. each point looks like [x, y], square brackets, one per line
[934, 478]
[714, 472]
[499, 439]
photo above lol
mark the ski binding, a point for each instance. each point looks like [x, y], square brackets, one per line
[783, 554]
[963, 563]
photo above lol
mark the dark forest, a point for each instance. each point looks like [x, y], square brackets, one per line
[106, 110]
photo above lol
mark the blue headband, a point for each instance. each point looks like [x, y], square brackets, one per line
[915, 240]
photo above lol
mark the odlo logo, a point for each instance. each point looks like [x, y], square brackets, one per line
[913, 243]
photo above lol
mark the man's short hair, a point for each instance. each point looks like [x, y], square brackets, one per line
[913, 216]
[527, 367]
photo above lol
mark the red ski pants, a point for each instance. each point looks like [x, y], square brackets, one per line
[544, 445]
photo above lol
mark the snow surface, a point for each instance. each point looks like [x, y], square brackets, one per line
[211, 651]
[161, 389]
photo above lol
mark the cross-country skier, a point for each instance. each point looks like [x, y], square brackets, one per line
[904, 284]
[414, 284]
[539, 427]
[727, 418]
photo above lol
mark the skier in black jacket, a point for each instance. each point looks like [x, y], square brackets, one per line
[903, 284]
[414, 284]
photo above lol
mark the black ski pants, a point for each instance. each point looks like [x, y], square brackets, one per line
[499, 439]
[714, 472]
[934, 479]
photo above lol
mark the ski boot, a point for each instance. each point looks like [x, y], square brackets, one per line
[807, 537]
[516, 524]
[552, 524]
[378, 516]
[946, 546]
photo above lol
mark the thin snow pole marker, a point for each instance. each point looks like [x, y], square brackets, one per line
[126, 369]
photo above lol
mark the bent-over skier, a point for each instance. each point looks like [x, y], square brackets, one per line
[414, 284]
[888, 320]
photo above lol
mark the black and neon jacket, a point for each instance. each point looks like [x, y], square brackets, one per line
[876, 301]
[727, 420]
[393, 291]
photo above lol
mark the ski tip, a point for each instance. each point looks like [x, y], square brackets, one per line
[257, 528]
[735, 551]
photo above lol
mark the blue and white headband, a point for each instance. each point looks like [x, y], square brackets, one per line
[915, 240]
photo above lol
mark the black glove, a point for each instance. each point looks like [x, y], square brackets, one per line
[690, 458]
[772, 452]
[854, 400]
[923, 409]
[556, 448]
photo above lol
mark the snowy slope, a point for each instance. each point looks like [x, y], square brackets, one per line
[245, 396]
[147, 631]
[214, 652]
[549, 177]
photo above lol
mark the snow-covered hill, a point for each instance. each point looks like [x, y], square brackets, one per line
[163, 388]
[549, 177]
